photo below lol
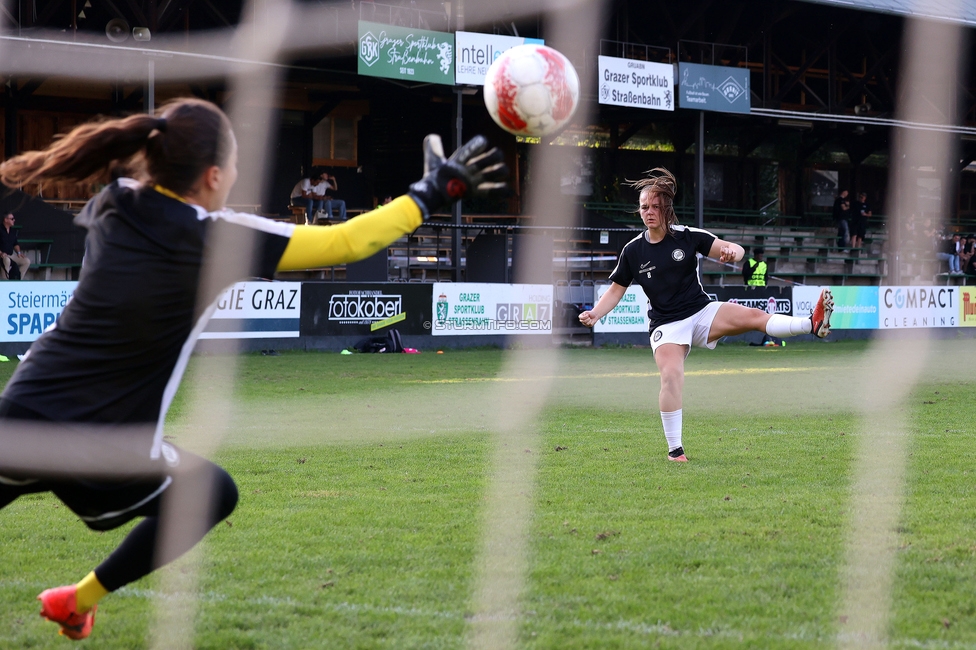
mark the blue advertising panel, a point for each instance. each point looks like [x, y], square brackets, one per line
[855, 308]
[713, 88]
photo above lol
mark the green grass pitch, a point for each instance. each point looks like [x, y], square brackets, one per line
[363, 480]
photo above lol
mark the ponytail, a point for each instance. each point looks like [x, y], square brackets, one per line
[172, 150]
[81, 154]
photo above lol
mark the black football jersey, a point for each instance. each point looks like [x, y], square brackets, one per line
[667, 271]
[118, 351]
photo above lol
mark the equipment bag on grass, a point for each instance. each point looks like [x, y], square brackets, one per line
[389, 343]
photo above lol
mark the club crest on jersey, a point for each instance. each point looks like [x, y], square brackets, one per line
[678, 254]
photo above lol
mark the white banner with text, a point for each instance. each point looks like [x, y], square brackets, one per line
[257, 310]
[475, 308]
[630, 314]
[638, 84]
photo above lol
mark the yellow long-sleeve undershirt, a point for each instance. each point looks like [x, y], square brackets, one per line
[314, 246]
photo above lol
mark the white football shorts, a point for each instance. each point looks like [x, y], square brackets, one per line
[691, 332]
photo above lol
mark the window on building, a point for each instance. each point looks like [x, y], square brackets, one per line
[334, 141]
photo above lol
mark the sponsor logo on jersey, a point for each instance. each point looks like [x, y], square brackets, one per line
[678, 255]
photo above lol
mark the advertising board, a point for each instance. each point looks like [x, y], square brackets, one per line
[714, 88]
[638, 84]
[772, 300]
[403, 53]
[630, 314]
[29, 308]
[912, 307]
[967, 307]
[474, 308]
[474, 52]
[256, 310]
[364, 309]
[855, 308]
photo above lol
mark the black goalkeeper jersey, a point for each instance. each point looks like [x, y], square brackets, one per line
[118, 351]
[667, 271]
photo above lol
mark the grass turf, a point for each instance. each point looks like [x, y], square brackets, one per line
[362, 483]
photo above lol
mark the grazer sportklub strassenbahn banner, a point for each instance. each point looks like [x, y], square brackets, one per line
[349, 309]
[638, 84]
[630, 314]
[475, 308]
[402, 53]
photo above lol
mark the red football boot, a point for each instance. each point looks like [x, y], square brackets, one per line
[677, 455]
[821, 314]
[58, 605]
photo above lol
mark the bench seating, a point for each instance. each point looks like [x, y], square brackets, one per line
[38, 244]
[55, 271]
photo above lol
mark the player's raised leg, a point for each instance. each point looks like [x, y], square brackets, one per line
[733, 319]
[670, 359]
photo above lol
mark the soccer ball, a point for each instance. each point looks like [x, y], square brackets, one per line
[531, 90]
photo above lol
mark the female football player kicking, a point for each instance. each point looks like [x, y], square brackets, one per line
[113, 361]
[664, 261]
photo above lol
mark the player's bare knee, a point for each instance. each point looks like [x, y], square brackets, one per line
[672, 379]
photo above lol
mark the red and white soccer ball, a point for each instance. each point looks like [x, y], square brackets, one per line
[531, 90]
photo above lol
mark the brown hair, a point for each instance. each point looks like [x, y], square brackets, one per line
[172, 149]
[663, 183]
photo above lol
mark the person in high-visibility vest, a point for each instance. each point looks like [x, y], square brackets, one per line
[754, 271]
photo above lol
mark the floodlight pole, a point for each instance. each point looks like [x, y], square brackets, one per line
[456, 220]
[700, 173]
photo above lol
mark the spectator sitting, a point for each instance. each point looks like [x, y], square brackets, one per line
[947, 252]
[10, 252]
[929, 231]
[331, 185]
[970, 268]
[308, 196]
[967, 248]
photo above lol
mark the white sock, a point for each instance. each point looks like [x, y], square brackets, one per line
[672, 428]
[783, 326]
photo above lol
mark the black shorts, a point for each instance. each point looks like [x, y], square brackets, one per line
[859, 227]
[103, 504]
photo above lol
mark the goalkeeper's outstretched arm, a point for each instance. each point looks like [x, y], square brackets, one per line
[470, 171]
[315, 246]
